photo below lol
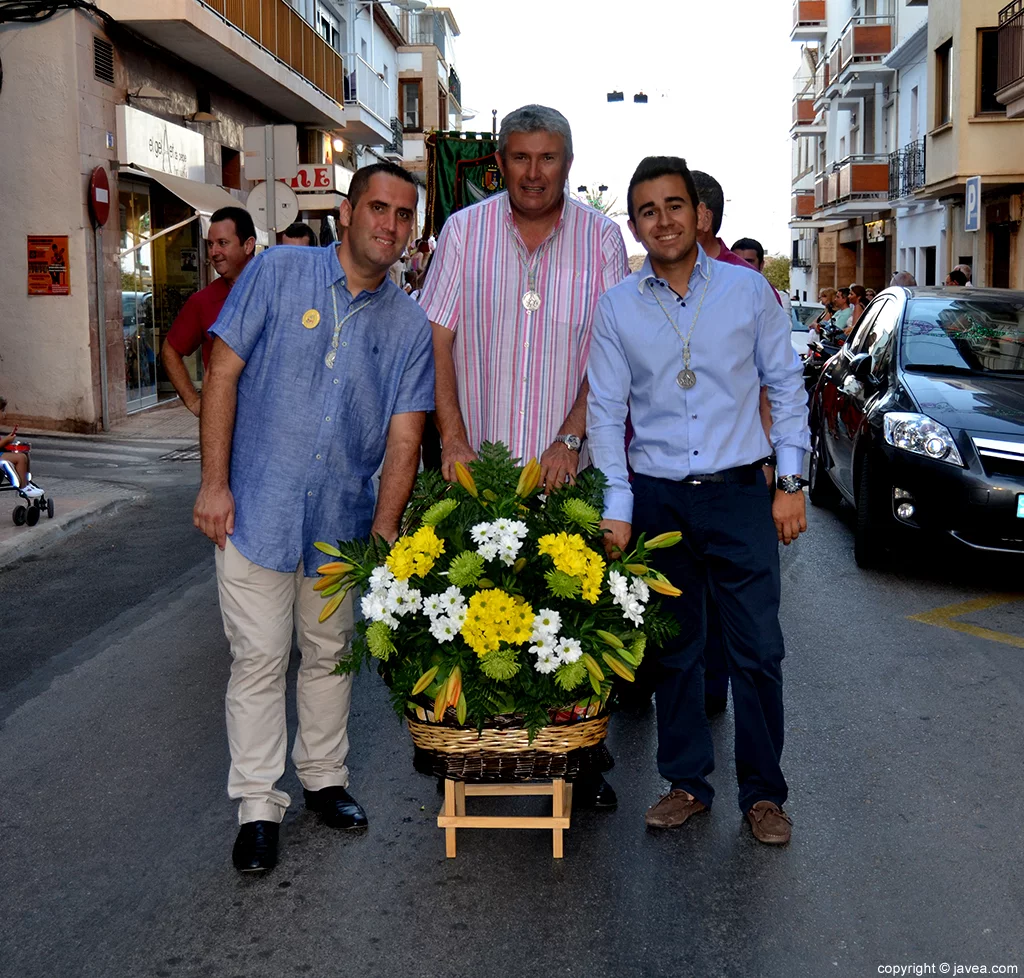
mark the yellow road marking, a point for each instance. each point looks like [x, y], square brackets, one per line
[946, 618]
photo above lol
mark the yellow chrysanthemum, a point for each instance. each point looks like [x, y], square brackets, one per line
[415, 554]
[571, 555]
[493, 618]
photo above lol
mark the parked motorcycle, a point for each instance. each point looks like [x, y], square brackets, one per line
[819, 352]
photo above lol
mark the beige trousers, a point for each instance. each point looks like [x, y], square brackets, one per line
[260, 609]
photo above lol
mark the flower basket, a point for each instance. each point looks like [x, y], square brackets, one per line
[497, 622]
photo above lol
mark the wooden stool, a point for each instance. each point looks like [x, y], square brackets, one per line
[453, 816]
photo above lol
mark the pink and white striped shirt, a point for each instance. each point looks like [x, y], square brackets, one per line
[519, 372]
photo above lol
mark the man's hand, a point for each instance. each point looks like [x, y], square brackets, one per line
[195, 404]
[452, 452]
[616, 539]
[387, 533]
[557, 464]
[789, 510]
[214, 513]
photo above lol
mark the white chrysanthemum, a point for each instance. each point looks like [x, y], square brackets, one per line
[374, 605]
[481, 533]
[443, 629]
[634, 611]
[381, 577]
[452, 598]
[640, 590]
[547, 622]
[568, 649]
[433, 605]
[458, 615]
[488, 550]
[508, 550]
[546, 662]
[518, 529]
[402, 600]
[500, 526]
[542, 643]
[618, 585]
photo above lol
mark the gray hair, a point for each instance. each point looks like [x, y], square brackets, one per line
[966, 269]
[904, 278]
[535, 118]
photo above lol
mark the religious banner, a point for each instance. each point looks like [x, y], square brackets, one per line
[48, 271]
[461, 170]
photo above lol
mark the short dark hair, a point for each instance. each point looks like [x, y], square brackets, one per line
[750, 244]
[712, 197]
[958, 277]
[365, 174]
[652, 167]
[300, 230]
[240, 217]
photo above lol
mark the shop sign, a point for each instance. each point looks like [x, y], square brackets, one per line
[48, 272]
[875, 231]
[320, 178]
[161, 145]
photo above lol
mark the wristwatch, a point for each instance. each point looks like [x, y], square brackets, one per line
[790, 483]
[573, 442]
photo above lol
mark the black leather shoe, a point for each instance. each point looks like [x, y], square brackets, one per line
[715, 705]
[255, 849]
[336, 808]
[594, 793]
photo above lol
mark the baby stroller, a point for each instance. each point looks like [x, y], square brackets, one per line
[35, 501]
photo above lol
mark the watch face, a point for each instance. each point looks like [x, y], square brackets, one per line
[572, 442]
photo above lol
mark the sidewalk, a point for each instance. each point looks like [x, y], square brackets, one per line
[80, 502]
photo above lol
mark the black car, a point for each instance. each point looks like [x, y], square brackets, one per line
[919, 421]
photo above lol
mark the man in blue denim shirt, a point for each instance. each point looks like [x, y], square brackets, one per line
[321, 368]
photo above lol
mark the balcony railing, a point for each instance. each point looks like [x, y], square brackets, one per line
[425, 28]
[804, 204]
[366, 88]
[821, 78]
[906, 170]
[809, 13]
[455, 85]
[1011, 45]
[803, 112]
[396, 148]
[865, 40]
[862, 178]
[821, 191]
[279, 30]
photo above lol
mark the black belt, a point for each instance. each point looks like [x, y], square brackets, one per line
[741, 474]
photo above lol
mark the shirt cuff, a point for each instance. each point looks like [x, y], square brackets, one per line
[791, 461]
[618, 505]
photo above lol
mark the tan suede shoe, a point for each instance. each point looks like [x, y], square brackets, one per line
[770, 824]
[671, 811]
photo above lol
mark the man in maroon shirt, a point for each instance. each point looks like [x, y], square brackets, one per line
[230, 245]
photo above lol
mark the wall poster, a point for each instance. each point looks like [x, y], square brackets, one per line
[48, 265]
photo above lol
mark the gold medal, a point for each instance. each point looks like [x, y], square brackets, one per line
[310, 318]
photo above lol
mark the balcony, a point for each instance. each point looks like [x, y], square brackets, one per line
[260, 47]
[803, 205]
[809, 22]
[806, 121]
[856, 185]
[367, 104]
[906, 170]
[1011, 59]
[822, 76]
[425, 28]
[455, 86]
[861, 51]
[395, 150]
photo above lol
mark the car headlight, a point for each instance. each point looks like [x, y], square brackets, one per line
[921, 435]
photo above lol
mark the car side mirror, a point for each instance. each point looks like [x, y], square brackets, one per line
[860, 367]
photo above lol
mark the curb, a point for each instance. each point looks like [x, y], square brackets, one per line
[43, 536]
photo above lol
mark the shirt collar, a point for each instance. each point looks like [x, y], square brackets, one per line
[335, 273]
[513, 228]
[701, 270]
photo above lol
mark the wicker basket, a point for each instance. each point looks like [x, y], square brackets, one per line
[504, 752]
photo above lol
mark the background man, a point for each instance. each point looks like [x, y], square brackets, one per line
[965, 270]
[299, 233]
[904, 278]
[230, 246]
[956, 279]
[751, 251]
[318, 351]
[686, 344]
[511, 295]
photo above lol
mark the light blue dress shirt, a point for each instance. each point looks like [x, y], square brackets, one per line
[309, 436]
[740, 343]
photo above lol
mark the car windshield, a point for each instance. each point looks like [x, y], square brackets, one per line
[983, 334]
[805, 314]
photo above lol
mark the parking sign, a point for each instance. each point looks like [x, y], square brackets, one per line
[972, 204]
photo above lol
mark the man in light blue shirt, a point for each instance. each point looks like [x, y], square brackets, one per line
[684, 346]
[321, 368]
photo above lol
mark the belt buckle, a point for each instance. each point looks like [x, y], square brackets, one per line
[694, 482]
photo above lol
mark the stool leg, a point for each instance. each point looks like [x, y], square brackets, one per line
[460, 797]
[449, 809]
[557, 810]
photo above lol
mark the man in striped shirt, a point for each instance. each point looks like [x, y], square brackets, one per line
[511, 296]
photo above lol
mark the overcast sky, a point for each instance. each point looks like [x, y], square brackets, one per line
[718, 74]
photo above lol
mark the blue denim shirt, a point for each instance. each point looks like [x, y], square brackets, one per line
[741, 342]
[308, 437]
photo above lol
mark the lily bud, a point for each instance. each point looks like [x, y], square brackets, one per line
[465, 479]
[663, 540]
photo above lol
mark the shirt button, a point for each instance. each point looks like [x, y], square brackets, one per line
[344, 343]
[526, 346]
[318, 458]
[692, 415]
[696, 452]
[327, 418]
[310, 493]
[338, 382]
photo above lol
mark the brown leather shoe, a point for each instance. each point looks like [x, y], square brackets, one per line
[770, 824]
[671, 811]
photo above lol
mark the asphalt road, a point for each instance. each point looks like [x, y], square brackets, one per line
[903, 754]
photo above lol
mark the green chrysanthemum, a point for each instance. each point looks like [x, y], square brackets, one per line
[637, 647]
[581, 513]
[569, 675]
[466, 569]
[562, 585]
[501, 664]
[439, 511]
[378, 639]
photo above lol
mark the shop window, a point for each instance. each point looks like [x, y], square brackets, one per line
[988, 72]
[944, 84]
[231, 168]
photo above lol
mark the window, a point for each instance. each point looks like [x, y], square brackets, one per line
[988, 72]
[328, 28]
[231, 168]
[944, 84]
[929, 265]
[915, 99]
[442, 109]
[411, 105]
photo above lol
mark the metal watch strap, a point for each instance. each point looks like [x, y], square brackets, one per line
[573, 442]
[790, 483]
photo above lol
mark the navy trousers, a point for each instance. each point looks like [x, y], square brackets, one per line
[729, 548]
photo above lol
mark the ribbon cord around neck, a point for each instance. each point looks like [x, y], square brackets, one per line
[686, 378]
[332, 354]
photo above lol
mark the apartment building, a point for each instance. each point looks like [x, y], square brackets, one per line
[157, 95]
[897, 103]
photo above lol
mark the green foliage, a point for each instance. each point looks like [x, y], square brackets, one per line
[466, 568]
[501, 664]
[561, 585]
[378, 640]
[776, 270]
[570, 675]
[440, 511]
